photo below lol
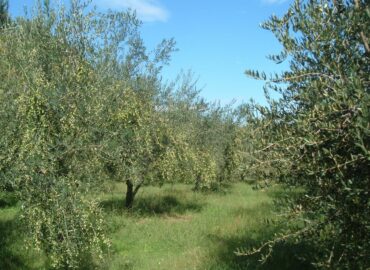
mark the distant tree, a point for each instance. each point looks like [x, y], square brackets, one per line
[207, 128]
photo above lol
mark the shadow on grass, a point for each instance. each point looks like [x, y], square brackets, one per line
[7, 199]
[284, 256]
[153, 205]
[8, 259]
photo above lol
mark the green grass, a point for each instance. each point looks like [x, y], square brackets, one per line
[175, 228]
[13, 254]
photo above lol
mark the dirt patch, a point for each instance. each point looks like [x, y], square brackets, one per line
[177, 218]
[142, 221]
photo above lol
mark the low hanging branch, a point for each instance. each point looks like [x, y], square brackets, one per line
[270, 244]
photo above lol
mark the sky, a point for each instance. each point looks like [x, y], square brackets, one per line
[216, 39]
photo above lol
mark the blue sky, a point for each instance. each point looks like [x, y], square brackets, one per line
[217, 40]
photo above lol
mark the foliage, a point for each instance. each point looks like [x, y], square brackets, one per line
[205, 131]
[4, 17]
[317, 134]
[49, 91]
[83, 101]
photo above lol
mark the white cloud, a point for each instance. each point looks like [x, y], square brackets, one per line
[271, 2]
[147, 10]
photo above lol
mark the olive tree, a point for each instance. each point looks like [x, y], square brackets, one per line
[317, 134]
[132, 129]
[55, 67]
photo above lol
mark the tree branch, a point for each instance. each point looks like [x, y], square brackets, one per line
[362, 34]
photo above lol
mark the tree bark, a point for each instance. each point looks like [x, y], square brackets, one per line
[197, 182]
[129, 194]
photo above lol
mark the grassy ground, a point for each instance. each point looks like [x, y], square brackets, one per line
[174, 228]
[12, 252]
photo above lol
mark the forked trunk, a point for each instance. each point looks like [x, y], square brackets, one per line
[130, 193]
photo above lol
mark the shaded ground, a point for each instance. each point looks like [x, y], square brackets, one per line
[13, 254]
[153, 205]
[174, 228]
[9, 259]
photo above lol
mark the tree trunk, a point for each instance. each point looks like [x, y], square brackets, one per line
[129, 194]
[198, 179]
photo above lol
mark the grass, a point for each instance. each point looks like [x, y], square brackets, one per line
[13, 255]
[174, 228]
